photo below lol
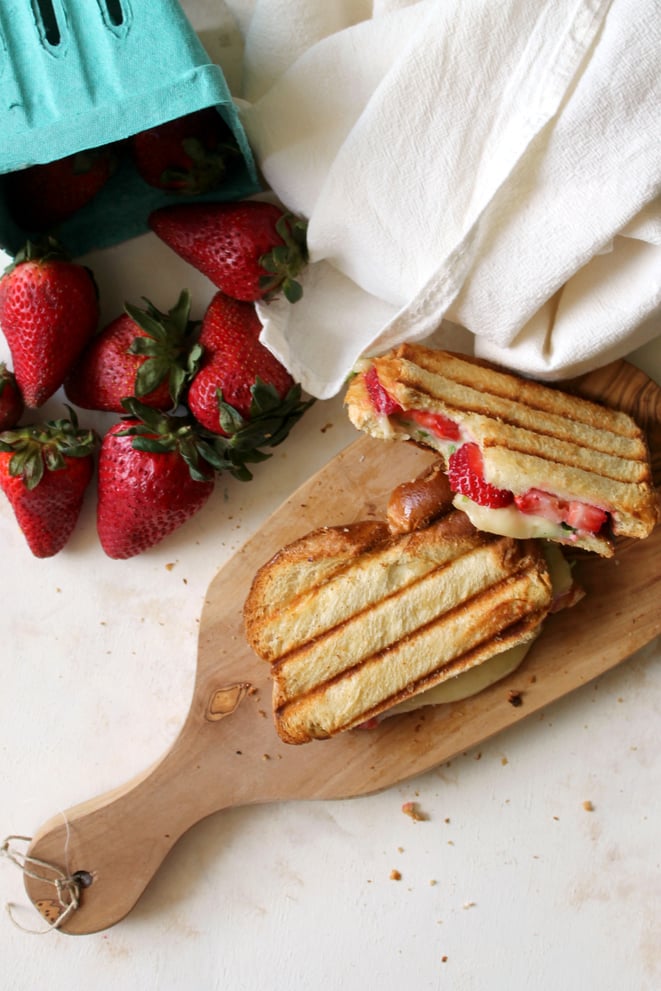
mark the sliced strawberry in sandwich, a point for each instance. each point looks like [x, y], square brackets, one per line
[466, 475]
[535, 502]
[582, 516]
[436, 423]
[379, 398]
[577, 515]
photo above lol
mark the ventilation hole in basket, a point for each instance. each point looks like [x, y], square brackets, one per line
[115, 12]
[116, 15]
[49, 29]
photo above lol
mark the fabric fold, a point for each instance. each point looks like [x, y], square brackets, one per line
[490, 165]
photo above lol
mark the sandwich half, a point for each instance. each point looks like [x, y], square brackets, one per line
[355, 619]
[523, 459]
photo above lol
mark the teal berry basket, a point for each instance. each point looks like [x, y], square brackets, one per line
[79, 74]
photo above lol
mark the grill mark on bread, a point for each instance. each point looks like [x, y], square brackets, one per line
[531, 435]
[486, 598]
[525, 629]
[277, 624]
[468, 405]
[500, 384]
[399, 614]
[471, 592]
[357, 693]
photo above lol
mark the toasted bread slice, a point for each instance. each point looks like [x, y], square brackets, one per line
[533, 438]
[355, 619]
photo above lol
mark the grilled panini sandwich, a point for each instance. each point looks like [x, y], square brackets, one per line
[355, 619]
[524, 459]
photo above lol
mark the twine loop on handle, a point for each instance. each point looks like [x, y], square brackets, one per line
[67, 886]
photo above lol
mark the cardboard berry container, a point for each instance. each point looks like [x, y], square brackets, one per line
[80, 74]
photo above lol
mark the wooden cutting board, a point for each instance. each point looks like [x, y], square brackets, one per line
[228, 753]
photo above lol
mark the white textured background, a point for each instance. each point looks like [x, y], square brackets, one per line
[509, 884]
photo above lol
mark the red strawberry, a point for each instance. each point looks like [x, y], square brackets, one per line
[43, 196]
[249, 250]
[44, 471]
[575, 514]
[466, 475]
[381, 401]
[540, 503]
[188, 155]
[11, 400]
[436, 423]
[143, 353]
[49, 309]
[581, 516]
[153, 476]
[241, 390]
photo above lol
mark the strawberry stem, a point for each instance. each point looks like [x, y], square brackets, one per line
[40, 447]
[168, 348]
[285, 261]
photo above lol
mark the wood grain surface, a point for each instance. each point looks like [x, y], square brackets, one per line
[228, 753]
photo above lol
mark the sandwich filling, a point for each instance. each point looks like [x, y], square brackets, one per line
[533, 513]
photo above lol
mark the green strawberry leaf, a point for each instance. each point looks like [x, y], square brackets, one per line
[40, 447]
[152, 372]
[284, 261]
[169, 349]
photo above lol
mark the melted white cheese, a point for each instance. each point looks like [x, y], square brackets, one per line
[467, 683]
[508, 521]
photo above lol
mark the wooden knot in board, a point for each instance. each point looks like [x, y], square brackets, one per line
[225, 700]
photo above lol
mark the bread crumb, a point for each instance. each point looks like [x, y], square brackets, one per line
[588, 806]
[503, 761]
[169, 566]
[469, 904]
[412, 810]
[444, 959]
[514, 697]
[395, 875]
[433, 882]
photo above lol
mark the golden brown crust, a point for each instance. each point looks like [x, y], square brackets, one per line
[381, 623]
[531, 435]
[415, 503]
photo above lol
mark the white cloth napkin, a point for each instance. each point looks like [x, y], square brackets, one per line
[492, 164]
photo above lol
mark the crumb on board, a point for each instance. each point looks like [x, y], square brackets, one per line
[395, 875]
[514, 697]
[504, 761]
[588, 806]
[412, 810]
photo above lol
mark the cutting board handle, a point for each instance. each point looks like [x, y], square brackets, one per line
[111, 846]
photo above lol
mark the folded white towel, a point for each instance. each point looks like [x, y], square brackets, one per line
[490, 163]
